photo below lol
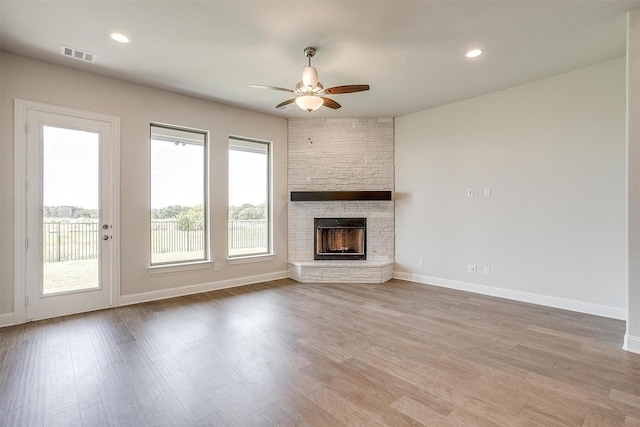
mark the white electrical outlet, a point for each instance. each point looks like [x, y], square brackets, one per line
[487, 191]
[420, 261]
[472, 269]
[469, 192]
[487, 270]
[216, 266]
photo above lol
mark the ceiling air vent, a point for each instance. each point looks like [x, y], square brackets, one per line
[78, 54]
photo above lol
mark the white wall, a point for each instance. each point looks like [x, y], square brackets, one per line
[632, 337]
[553, 230]
[137, 106]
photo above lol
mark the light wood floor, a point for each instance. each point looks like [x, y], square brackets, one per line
[282, 353]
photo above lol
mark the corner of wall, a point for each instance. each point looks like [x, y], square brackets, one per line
[631, 344]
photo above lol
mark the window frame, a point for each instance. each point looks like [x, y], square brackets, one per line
[268, 254]
[187, 264]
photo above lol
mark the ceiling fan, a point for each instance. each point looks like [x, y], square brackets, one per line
[311, 92]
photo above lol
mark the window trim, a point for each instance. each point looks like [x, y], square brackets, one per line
[190, 264]
[172, 268]
[248, 259]
[269, 254]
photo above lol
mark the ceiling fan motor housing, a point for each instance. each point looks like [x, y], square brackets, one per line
[309, 77]
[309, 73]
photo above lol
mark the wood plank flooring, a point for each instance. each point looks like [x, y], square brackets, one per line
[287, 354]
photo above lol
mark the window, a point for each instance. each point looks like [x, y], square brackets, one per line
[249, 197]
[178, 195]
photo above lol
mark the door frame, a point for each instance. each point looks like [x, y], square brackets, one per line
[20, 174]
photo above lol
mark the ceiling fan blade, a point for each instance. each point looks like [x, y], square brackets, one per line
[272, 88]
[346, 89]
[284, 103]
[330, 103]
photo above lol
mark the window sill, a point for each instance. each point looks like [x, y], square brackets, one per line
[172, 268]
[250, 259]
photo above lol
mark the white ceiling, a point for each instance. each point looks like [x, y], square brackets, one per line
[411, 53]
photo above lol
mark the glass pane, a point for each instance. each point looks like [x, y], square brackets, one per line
[178, 172]
[70, 198]
[248, 198]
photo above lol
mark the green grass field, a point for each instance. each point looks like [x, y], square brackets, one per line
[66, 276]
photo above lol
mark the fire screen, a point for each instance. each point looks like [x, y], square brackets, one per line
[340, 238]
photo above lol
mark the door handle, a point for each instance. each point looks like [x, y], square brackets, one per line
[105, 237]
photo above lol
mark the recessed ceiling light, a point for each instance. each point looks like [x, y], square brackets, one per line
[121, 38]
[473, 53]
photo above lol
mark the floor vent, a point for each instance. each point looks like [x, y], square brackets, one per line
[78, 54]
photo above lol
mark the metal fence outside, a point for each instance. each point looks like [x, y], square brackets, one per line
[171, 237]
[247, 234]
[77, 241]
[63, 241]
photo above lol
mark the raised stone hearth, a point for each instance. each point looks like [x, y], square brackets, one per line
[341, 271]
[344, 156]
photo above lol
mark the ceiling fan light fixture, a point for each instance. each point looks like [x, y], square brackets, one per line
[309, 77]
[309, 102]
[310, 92]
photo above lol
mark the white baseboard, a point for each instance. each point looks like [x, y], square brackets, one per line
[6, 319]
[199, 288]
[631, 343]
[548, 301]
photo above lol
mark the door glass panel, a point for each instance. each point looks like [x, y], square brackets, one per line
[70, 198]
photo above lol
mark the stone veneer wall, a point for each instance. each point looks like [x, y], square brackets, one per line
[341, 155]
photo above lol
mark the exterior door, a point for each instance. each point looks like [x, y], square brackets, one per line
[69, 247]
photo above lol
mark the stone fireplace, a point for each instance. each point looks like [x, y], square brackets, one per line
[341, 169]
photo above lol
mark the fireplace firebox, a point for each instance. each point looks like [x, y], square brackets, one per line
[340, 238]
